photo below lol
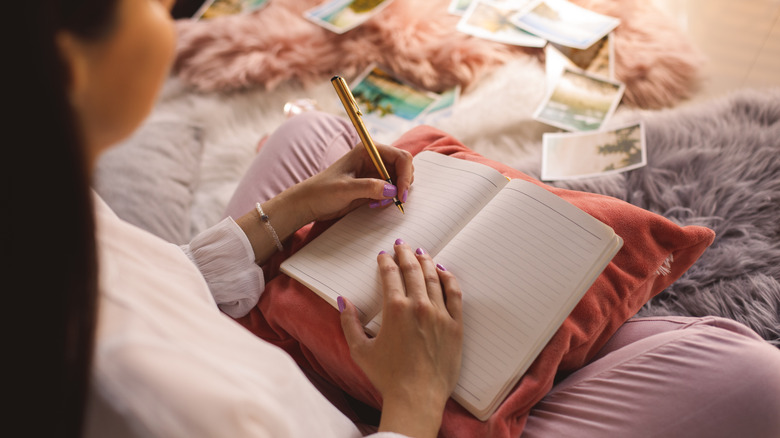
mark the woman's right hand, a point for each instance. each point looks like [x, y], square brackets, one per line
[414, 361]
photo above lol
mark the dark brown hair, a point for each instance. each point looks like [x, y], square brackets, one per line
[49, 231]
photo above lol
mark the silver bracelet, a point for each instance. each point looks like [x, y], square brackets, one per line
[264, 219]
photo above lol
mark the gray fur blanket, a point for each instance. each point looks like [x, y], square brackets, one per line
[716, 165]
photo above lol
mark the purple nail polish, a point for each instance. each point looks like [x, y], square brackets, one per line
[420, 251]
[382, 252]
[399, 241]
[440, 267]
[390, 190]
[380, 203]
[404, 195]
[341, 304]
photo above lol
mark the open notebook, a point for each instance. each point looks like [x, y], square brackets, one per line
[523, 256]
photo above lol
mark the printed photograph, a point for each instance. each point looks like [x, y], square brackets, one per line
[580, 101]
[564, 23]
[591, 154]
[389, 105]
[598, 59]
[340, 16]
[218, 8]
[458, 7]
[380, 93]
[491, 20]
[442, 107]
[445, 101]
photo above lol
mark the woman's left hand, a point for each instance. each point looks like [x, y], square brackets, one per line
[353, 180]
[415, 359]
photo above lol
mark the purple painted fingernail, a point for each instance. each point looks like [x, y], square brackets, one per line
[390, 190]
[404, 195]
[440, 267]
[341, 304]
[399, 241]
[382, 252]
[420, 251]
[380, 203]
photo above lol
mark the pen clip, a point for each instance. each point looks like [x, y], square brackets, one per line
[355, 105]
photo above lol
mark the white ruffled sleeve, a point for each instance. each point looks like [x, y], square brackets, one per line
[225, 257]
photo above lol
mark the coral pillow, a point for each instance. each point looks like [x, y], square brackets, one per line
[655, 253]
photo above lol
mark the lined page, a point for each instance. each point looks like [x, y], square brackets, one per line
[446, 193]
[523, 263]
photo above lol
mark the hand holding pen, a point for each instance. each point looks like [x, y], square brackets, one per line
[354, 114]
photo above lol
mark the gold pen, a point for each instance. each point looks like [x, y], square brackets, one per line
[353, 111]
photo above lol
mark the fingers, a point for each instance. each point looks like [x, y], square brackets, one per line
[452, 294]
[371, 188]
[365, 182]
[442, 286]
[414, 360]
[413, 279]
[432, 281]
[398, 162]
[350, 324]
[392, 280]
[417, 277]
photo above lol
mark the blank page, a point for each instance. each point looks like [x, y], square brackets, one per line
[522, 263]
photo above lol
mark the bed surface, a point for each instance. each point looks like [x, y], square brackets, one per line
[716, 164]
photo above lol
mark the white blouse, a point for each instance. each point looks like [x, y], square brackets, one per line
[168, 363]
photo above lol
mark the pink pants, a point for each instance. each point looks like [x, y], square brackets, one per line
[302, 147]
[656, 377]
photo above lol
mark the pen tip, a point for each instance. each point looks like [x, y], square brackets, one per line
[400, 207]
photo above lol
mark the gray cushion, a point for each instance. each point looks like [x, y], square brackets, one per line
[150, 178]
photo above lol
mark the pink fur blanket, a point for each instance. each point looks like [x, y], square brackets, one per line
[418, 41]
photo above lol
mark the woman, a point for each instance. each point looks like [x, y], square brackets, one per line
[166, 362]
[99, 68]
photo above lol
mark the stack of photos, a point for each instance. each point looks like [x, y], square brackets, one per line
[582, 94]
[340, 16]
[390, 105]
[579, 53]
[218, 8]
[568, 155]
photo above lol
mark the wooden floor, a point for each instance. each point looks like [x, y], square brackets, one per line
[741, 39]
